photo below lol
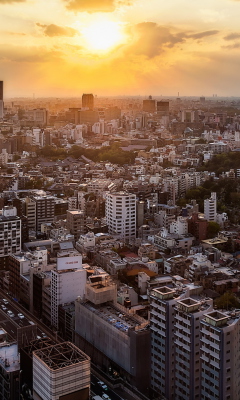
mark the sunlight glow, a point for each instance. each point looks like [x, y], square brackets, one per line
[103, 35]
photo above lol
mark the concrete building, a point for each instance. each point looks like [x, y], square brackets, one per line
[121, 214]
[76, 221]
[180, 226]
[114, 337]
[210, 207]
[30, 205]
[220, 356]
[10, 234]
[45, 207]
[175, 328]
[67, 283]
[61, 371]
[9, 367]
[197, 226]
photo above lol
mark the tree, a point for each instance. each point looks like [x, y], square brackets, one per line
[226, 301]
[212, 229]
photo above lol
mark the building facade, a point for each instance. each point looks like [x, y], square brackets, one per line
[121, 214]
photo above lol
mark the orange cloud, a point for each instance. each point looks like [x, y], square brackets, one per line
[56, 30]
[93, 6]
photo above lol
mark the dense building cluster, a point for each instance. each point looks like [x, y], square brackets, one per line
[133, 265]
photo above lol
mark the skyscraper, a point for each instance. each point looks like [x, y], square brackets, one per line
[1, 99]
[88, 101]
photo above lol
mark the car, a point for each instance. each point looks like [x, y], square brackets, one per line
[103, 386]
[5, 301]
[3, 307]
[20, 315]
[105, 397]
[10, 313]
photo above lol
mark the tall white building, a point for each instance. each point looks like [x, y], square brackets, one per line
[67, 283]
[210, 207]
[121, 214]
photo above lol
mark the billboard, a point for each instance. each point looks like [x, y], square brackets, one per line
[73, 262]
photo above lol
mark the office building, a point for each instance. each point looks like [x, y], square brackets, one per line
[149, 105]
[114, 338]
[67, 283]
[45, 208]
[88, 101]
[163, 108]
[1, 99]
[210, 207]
[10, 234]
[76, 223]
[61, 371]
[120, 213]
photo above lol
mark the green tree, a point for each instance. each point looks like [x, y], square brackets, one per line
[212, 229]
[227, 301]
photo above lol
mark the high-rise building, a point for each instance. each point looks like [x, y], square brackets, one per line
[76, 223]
[121, 214]
[10, 234]
[220, 356]
[88, 101]
[163, 108]
[1, 99]
[175, 331]
[45, 208]
[149, 105]
[67, 283]
[61, 371]
[210, 207]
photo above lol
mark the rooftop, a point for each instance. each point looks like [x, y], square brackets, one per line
[116, 316]
[61, 355]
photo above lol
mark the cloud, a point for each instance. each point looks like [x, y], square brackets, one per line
[11, 1]
[28, 54]
[232, 46]
[232, 36]
[201, 35]
[152, 39]
[56, 30]
[14, 33]
[91, 6]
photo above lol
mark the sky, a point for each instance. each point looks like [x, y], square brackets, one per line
[120, 47]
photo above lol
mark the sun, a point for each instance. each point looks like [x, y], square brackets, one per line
[102, 36]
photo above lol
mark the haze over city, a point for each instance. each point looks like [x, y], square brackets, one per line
[66, 47]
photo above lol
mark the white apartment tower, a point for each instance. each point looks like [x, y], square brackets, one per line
[67, 283]
[210, 207]
[121, 214]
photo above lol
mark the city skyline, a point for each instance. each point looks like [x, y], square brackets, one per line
[119, 47]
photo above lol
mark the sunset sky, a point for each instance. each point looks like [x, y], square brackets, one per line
[120, 47]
